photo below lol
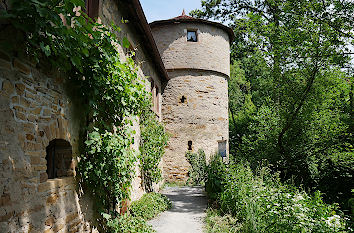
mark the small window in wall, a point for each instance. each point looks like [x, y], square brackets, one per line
[92, 7]
[190, 145]
[192, 36]
[183, 99]
[222, 148]
[59, 159]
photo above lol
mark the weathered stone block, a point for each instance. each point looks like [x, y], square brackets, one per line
[35, 160]
[29, 95]
[31, 146]
[40, 168]
[5, 199]
[22, 67]
[5, 64]
[30, 137]
[58, 227]
[71, 217]
[52, 199]
[50, 230]
[32, 118]
[46, 112]
[6, 217]
[15, 100]
[21, 116]
[7, 88]
[28, 127]
[20, 88]
[24, 102]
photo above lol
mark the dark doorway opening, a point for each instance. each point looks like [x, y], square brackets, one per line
[59, 159]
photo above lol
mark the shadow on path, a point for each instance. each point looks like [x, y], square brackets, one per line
[187, 212]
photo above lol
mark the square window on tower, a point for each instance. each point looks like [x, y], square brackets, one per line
[192, 36]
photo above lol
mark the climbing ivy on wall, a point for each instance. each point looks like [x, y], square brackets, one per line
[59, 33]
[152, 147]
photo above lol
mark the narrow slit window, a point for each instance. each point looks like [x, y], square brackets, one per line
[190, 145]
[192, 36]
[183, 99]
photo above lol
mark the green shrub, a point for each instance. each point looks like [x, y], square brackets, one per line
[217, 223]
[150, 205]
[152, 147]
[127, 224]
[216, 172]
[197, 171]
[261, 203]
[147, 207]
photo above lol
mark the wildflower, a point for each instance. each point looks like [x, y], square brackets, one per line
[334, 221]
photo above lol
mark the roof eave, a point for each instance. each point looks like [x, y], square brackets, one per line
[136, 11]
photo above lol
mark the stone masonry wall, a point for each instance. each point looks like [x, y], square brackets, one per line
[34, 110]
[202, 118]
[210, 52]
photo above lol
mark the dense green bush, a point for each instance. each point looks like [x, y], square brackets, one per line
[215, 177]
[291, 89]
[150, 205]
[197, 171]
[127, 224]
[215, 222]
[147, 207]
[262, 203]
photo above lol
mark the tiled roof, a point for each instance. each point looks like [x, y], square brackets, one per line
[183, 16]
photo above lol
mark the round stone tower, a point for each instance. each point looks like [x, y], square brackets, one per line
[196, 55]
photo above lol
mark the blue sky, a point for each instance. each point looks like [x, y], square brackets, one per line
[166, 9]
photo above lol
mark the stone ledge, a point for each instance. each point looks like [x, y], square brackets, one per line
[54, 184]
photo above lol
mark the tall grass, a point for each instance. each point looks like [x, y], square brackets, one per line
[260, 202]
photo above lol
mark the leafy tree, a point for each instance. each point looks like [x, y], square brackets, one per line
[290, 102]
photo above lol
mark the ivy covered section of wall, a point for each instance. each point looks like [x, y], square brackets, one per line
[109, 90]
[152, 147]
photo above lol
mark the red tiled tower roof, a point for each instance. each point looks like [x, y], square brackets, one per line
[183, 16]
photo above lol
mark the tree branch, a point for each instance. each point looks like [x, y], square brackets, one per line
[291, 119]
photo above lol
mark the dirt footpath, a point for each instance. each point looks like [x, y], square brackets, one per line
[187, 212]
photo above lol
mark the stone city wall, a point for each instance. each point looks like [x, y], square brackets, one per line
[34, 110]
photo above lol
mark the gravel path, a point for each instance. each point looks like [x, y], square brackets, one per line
[187, 212]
